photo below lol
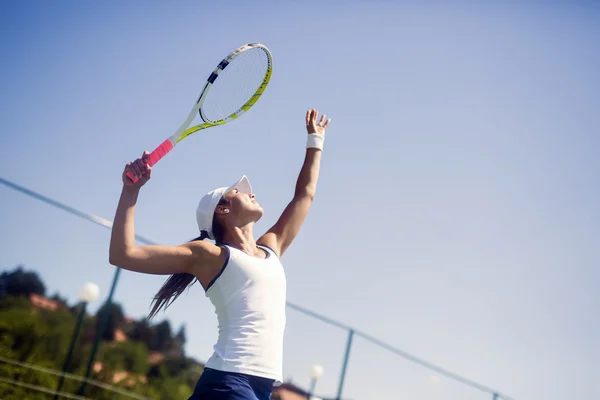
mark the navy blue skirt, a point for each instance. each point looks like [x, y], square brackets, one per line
[220, 385]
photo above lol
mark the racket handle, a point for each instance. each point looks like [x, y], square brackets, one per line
[155, 156]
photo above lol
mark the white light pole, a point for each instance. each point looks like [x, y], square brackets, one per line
[316, 372]
[89, 292]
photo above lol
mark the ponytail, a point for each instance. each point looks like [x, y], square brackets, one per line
[173, 287]
[177, 283]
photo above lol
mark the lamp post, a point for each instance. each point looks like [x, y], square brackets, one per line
[315, 373]
[89, 292]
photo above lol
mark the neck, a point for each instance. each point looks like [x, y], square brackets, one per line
[242, 238]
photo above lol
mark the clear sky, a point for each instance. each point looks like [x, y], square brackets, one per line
[457, 214]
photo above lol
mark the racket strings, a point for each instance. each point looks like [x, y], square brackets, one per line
[236, 84]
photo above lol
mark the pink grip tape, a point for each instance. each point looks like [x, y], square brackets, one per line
[155, 156]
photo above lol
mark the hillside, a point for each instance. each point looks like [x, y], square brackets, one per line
[148, 359]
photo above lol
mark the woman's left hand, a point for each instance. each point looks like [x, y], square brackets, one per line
[312, 126]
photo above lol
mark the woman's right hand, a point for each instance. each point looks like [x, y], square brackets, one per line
[138, 169]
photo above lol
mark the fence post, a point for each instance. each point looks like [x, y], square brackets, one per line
[345, 364]
[74, 338]
[99, 331]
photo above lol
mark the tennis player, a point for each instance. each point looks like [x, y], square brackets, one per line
[243, 277]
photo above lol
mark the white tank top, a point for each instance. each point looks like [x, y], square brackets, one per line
[249, 296]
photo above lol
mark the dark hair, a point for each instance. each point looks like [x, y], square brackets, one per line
[177, 283]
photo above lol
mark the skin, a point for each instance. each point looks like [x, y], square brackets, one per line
[203, 259]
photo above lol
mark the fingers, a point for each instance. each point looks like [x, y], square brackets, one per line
[135, 169]
[139, 168]
[311, 120]
[311, 116]
[147, 171]
[324, 121]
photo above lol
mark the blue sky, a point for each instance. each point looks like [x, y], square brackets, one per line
[457, 211]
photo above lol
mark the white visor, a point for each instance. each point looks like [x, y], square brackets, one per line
[208, 203]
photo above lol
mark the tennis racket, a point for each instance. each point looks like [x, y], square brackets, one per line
[233, 87]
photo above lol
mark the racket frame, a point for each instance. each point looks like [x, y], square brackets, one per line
[185, 130]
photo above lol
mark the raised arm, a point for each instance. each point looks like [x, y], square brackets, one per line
[153, 259]
[281, 235]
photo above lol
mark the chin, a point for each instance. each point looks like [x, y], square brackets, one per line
[259, 212]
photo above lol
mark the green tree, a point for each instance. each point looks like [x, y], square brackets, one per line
[125, 356]
[59, 299]
[142, 332]
[34, 336]
[20, 283]
[28, 376]
[161, 337]
[115, 319]
[181, 337]
[171, 388]
[42, 337]
[15, 302]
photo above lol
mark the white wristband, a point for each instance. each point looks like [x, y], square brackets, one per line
[314, 141]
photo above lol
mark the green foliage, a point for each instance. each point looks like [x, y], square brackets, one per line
[35, 335]
[181, 337]
[171, 388]
[58, 298]
[115, 319]
[15, 302]
[184, 369]
[141, 331]
[161, 337]
[158, 337]
[42, 337]
[20, 283]
[125, 356]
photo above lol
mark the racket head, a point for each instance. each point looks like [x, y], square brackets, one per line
[236, 84]
[232, 88]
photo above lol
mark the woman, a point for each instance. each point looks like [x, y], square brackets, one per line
[242, 277]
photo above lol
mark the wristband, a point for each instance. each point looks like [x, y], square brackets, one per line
[314, 141]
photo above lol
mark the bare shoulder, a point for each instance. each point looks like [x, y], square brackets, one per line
[204, 248]
[209, 260]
